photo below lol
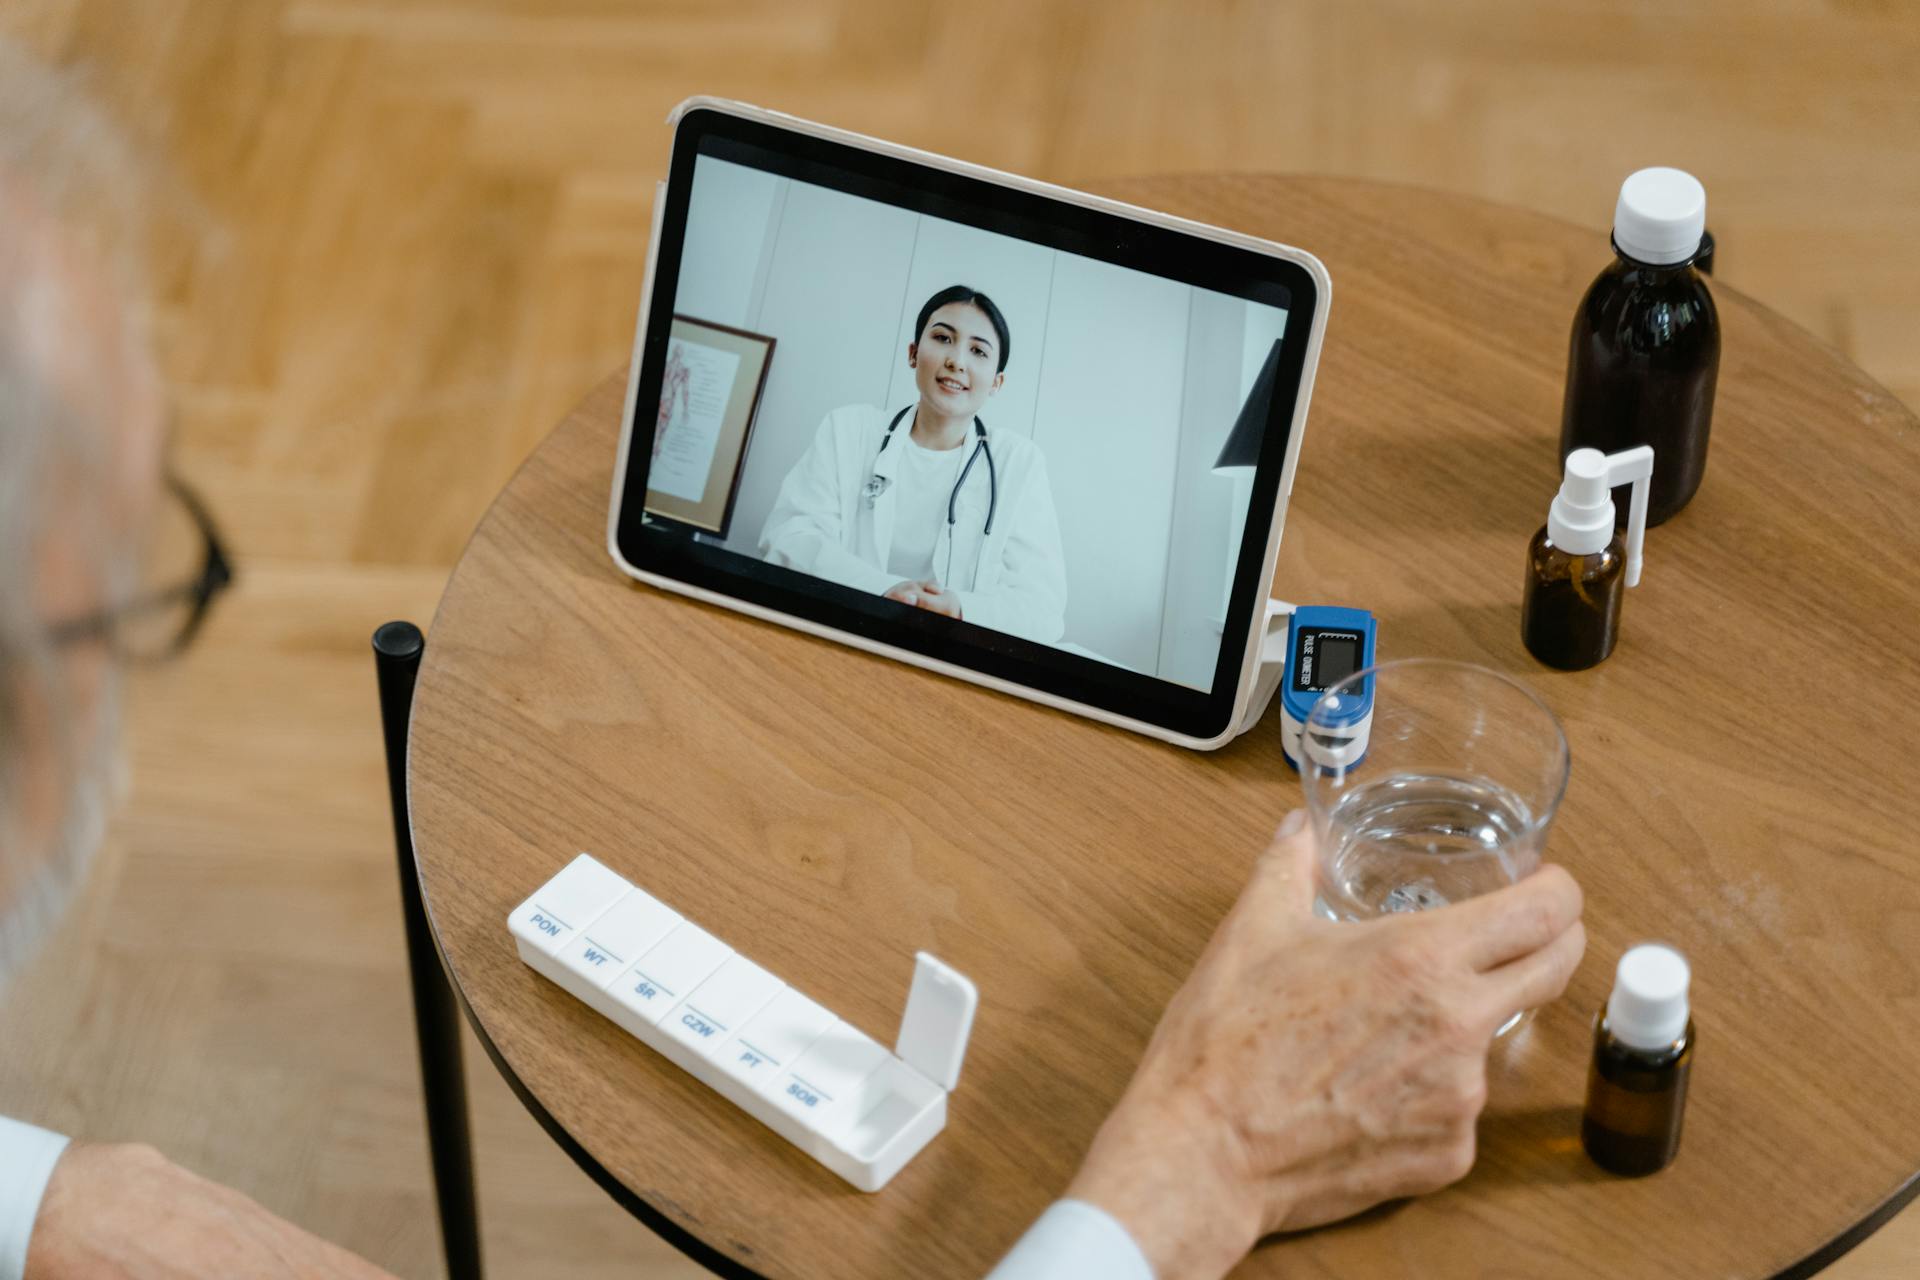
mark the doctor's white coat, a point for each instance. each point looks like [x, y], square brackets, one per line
[1013, 581]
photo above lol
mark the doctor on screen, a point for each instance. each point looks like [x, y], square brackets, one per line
[928, 505]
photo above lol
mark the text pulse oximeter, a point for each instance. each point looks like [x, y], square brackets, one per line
[1325, 645]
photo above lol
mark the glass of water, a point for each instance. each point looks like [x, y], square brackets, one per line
[1451, 796]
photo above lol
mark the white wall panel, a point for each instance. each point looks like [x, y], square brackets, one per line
[1108, 418]
[729, 216]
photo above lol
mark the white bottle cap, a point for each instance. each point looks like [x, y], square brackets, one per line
[1648, 1008]
[1580, 521]
[1661, 215]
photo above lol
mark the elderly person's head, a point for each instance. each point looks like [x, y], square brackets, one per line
[81, 432]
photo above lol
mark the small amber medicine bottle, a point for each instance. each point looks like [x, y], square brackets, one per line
[1642, 1052]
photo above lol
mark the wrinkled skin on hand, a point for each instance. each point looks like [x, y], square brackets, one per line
[1309, 1070]
[114, 1211]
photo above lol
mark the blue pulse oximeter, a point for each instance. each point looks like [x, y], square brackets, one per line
[1325, 645]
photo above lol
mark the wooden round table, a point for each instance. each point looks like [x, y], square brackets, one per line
[1742, 786]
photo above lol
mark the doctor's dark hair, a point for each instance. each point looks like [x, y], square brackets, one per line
[972, 297]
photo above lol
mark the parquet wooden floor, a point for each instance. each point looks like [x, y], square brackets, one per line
[422, 234]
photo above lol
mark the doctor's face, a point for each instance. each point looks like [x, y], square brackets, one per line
[957, 359]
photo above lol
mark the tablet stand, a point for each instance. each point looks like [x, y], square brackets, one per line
[1273, 661]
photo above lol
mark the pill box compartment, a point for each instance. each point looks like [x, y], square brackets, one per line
[911, 1110]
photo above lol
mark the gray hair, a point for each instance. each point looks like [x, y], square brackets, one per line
[62, 164]
[63, 159]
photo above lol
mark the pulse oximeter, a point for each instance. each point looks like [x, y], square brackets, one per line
[1325, 645]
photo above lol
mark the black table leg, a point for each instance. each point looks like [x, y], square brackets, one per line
[436, 1018]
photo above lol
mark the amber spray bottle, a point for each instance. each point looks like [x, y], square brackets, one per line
[1642, 1053]
[1577, 567]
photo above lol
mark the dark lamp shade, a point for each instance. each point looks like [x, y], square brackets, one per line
[1242, 448]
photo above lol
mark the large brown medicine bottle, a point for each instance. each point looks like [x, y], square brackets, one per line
[1645, 351]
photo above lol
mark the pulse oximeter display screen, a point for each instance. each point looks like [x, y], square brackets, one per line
[1339, 658]
[1325, 658]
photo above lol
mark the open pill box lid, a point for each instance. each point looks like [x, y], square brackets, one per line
[939, 1017]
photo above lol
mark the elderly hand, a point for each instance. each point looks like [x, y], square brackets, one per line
[1308, 1070]
[129, 1211]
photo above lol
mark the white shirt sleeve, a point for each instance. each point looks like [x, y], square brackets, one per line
[803, 531]
[27, 1157]
[1073, 1240]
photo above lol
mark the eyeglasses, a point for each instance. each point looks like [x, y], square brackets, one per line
[183, 567]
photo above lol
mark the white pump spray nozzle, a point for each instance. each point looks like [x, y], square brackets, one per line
[1580, 522]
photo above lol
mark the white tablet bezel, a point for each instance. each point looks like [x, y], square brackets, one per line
[1251, 643]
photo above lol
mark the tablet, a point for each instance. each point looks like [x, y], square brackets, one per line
[1013, 433]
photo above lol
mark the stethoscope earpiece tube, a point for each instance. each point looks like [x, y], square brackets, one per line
[993, 481]
[993, 485]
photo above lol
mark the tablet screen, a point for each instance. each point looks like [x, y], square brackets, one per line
[996, 431]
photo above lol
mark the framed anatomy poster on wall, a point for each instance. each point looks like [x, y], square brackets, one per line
[708, 399]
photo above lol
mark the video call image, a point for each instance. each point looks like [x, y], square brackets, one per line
[961, 422]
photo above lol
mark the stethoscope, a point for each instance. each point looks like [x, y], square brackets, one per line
[877, 483]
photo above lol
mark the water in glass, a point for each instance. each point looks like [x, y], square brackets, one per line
[1410, 841]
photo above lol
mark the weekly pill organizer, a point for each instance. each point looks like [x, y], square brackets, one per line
[817, 1081]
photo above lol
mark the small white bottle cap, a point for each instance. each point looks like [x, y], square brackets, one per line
[1661, 215]
[1580, 521]
[1648, 1008]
